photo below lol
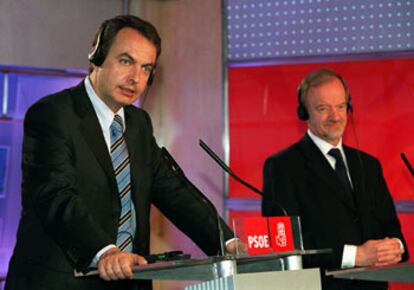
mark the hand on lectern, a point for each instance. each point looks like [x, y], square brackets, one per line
[116, 265]
[382, 252]
[236, 246]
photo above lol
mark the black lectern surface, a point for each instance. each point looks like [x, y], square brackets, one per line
[403, 272]
[215, 267]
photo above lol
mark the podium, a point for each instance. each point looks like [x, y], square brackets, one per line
[403, 272]
[272, 271]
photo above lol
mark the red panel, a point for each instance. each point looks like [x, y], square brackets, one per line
[401, 286]
[262, 110]
[236, 214]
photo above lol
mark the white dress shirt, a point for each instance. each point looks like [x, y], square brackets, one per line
[105, 118]
[349, 253]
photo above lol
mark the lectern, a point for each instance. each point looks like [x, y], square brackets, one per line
[403, 272]
[265, 272]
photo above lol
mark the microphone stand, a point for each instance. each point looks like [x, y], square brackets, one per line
[407, 163]
[293, 262]
[179, 172]
[226, 168]
[230, 172]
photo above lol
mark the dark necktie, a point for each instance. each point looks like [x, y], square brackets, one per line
[341, 169]
[120, 162]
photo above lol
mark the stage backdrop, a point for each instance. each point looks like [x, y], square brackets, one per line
[20, 87]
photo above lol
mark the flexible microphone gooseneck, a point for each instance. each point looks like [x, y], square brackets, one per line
[407, 163]
[226, 168]
[230, 172]
[179, 172]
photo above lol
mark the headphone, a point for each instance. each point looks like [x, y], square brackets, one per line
[97, 56]
[304, 87]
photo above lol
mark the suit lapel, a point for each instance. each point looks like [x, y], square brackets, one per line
[138, 154]
[131, 139]
[91, 130]
[356, 172]
[320, 167]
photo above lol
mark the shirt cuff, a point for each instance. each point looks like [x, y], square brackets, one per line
[401, 244]
[231, 240]
[349, 256]
[95, 260]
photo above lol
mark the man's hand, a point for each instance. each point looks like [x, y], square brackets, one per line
[115, 265]
[232, 246]
[379, 252]
[389, 252]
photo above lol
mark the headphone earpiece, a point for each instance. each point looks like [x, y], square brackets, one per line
[95, 55]
[301, 110]
[151, 77]
[349, 107]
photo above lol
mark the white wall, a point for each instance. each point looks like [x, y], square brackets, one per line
[186, 101]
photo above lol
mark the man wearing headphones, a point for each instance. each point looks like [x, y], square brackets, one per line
[92, 168]
[339, 192]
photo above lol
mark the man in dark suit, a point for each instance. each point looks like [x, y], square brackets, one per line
[339, 192]
[91, 169]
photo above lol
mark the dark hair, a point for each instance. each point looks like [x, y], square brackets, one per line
[108, 30]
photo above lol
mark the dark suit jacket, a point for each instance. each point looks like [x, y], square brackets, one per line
[69, 194]
[301, 180]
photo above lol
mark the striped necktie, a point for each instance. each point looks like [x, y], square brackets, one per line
[120, 162]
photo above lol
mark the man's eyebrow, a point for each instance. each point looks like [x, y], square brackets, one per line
[125, 54]
[150, 65]
[130, 57]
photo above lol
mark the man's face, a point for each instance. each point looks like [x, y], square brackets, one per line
[123, 76]
[327, 108]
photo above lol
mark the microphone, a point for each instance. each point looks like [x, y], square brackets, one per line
[407, 163]
[179, 172]
[230, 172]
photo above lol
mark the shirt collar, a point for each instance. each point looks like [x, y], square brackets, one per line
[104, 113]
[323, 145]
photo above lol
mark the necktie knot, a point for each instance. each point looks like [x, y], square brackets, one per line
[335, 153]
[116, 128]
[340, 169]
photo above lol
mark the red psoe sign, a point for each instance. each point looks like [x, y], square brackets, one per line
[281, 230]
[257, 230]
